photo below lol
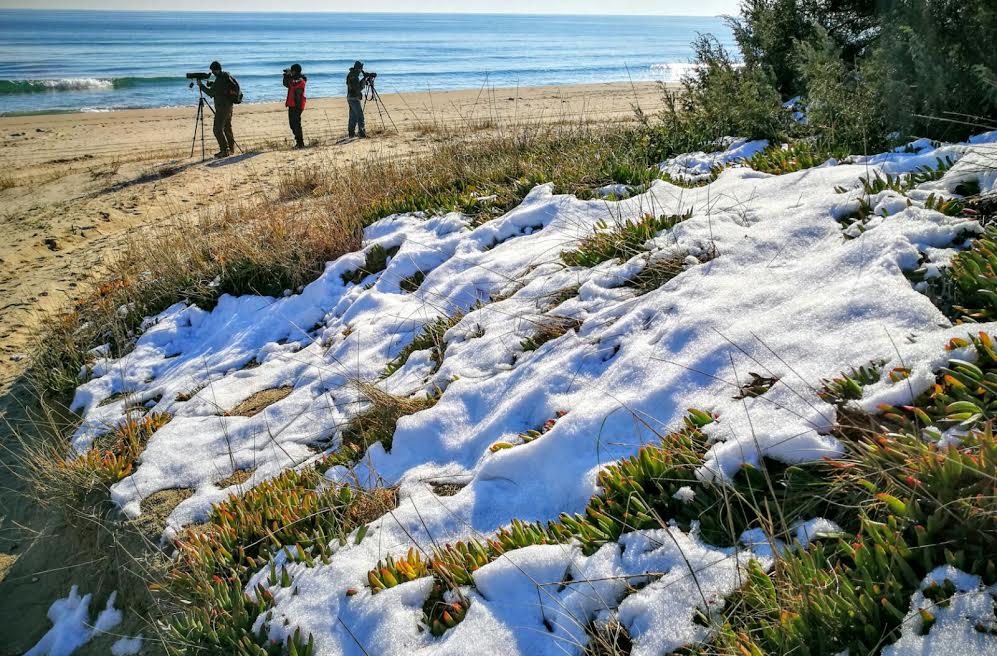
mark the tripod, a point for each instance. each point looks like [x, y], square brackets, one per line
[202, 102]
[199, 121]
[372, 94]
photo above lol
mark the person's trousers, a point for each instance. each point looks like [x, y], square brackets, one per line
[223, 128]
[294, 120]
[356, 117]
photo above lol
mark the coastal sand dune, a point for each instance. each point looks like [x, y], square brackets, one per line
[74, 188]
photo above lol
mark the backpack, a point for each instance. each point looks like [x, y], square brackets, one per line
[234, 90]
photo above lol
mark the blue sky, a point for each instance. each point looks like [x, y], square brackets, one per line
[660, 7]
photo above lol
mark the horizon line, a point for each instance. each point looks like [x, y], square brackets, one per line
[360, 13]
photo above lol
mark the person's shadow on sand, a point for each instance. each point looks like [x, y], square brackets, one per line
[235, 159]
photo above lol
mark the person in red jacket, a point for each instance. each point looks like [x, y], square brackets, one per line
[295, 83]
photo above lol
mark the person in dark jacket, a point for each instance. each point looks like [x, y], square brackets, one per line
[295, 83]
[221, 92]
[354, 98]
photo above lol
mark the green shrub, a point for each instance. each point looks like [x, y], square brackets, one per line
[724, 99]
[940, 67]
[844, 104]
[918, 67]
[768, 32]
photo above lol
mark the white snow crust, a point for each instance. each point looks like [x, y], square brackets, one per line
[71, 627]
[699, 166]
[956, 631]
[786, 296]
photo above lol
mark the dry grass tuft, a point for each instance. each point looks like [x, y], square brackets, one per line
[260, 401]
[238, 477]
[608, 639]
[550, 328]
[242, 250]
[300, 183]
[377, 422]
[446, 489]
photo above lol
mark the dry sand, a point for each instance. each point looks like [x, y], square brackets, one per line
[74, 186]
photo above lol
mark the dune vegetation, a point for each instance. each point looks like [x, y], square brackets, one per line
[718, 381]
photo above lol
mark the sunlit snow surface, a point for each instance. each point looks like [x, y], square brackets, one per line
[786, 296]
[71, 624]
[966, 624]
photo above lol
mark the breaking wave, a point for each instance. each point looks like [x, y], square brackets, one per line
[673, 72]
[676, 72]
[12, 87]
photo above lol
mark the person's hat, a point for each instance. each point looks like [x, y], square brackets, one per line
[357, 65]
[296, 68]
[215, 66]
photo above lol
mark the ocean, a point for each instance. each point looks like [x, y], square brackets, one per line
[53, 61]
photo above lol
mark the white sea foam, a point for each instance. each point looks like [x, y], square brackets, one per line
[64, 84]
[674, 72]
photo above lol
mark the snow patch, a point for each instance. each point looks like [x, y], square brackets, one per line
[71, 626]
[966, 624]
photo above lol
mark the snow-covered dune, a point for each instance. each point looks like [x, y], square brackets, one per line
[771, 285]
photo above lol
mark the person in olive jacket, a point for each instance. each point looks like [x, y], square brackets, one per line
[223, 91]
[295, 83]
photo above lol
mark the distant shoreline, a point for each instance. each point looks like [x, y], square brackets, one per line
[619, 85]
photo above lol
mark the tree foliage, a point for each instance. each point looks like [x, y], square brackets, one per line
[864, 69]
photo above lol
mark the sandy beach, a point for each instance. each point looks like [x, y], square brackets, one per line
[75, 184]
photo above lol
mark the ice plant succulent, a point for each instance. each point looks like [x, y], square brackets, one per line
[290, 512]
[964, 394]
[790, 158]
[848, 386]
[113, 457]
[621, 241]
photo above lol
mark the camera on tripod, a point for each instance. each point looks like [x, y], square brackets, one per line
[368, 78]
[197, 77]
